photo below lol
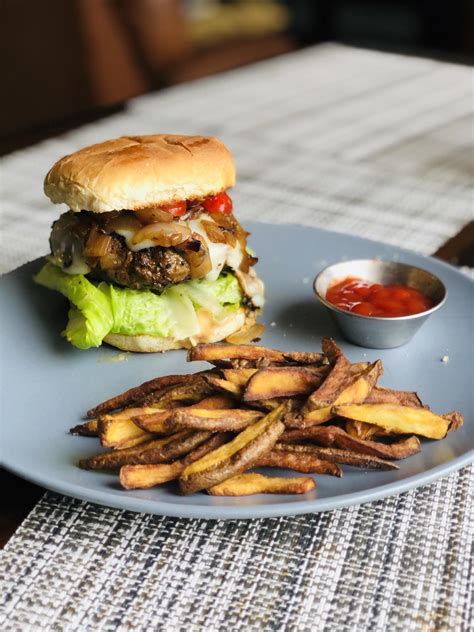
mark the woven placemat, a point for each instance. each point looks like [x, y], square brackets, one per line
[356, 141]
[401, 564]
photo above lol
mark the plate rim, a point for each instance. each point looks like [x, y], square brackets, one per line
[238, 512]
[255, 511]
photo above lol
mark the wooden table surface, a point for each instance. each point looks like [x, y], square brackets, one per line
[20, 496]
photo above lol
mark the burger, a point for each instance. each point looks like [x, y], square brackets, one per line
[149, 253]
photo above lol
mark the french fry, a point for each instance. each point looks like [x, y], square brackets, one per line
[283, 382]
[156, 421]
[86, 429]
[345, 457]
[304, 357]
[455, 420]
[218, 351]
[253, 483]
[354, 393]
[397, 419]
[336, 381]
[154, 451]
[233, 420]
[119, 431]
[236, 456]
[333, 435]
[268, 404]
[137, 393]
[240, 377]
[181, 394]
[358, 367]
[224, 386]
[382, 395]
[307, 463]
[362, 430]
[150, 475]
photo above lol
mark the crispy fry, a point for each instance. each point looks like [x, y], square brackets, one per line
[332, 435]
[336, 381]
[397, 419]
[224, 386]
[87, 429]
[362, 430]
[240, 377]
[145, 476]
[151, 475]
[382, 395]
[304, 357]
[283, 382]
[154, 451]
[359, 367]
[354, 393]
[455, 419]
[307, 463]
[346, 457]
[268, 404]
[137, 393]
[235, 457]
[233, 420]
[119, 431]
[156, 421]
[189, 392]
[219, 351]
[253, 483]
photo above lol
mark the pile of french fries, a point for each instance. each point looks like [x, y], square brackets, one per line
[259, 407]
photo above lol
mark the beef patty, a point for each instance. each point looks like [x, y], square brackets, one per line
[148, 269]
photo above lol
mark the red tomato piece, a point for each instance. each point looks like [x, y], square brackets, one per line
[175, 208]
[220, 203]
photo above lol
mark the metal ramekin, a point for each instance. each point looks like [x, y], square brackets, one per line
[374, 331]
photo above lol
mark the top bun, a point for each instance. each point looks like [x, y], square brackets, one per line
[136, 172]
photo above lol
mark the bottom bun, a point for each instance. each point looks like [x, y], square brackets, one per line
[211, 331]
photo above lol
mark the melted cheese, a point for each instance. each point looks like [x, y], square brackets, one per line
[220, 254]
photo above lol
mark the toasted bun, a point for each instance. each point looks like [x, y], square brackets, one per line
[211, 331]
[134, 172]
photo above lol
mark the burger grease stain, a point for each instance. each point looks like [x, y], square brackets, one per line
[110, 357]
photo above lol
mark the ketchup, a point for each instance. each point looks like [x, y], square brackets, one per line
[372, 299]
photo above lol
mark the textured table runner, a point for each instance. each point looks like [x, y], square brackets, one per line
[373, 144]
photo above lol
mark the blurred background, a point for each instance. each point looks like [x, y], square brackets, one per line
[67, 62]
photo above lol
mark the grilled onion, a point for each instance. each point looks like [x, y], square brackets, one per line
[97, 244]
[219, 234]
[123, 222]
[196, 253]
[163, 234]
[153, 215]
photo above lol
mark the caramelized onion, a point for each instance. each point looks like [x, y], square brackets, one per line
[97, 244]
[153, 215]
[196, 253]
[163, 234]
[126, 221]
[218, 234]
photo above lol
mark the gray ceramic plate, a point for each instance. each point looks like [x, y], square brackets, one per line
[48, 385]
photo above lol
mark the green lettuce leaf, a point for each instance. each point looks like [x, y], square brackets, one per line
[91, 319]
[97, 310]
